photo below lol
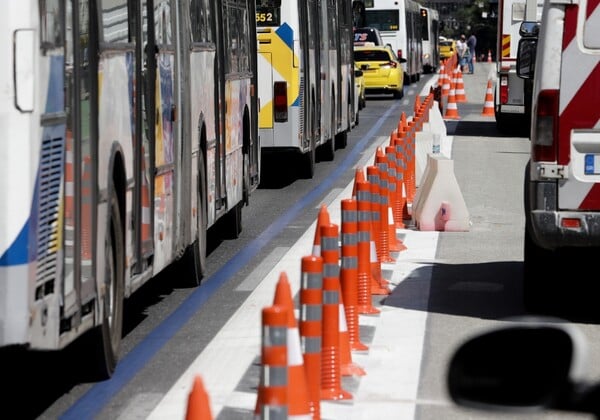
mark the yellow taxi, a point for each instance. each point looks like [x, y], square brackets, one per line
[382, 70]
[447, 48]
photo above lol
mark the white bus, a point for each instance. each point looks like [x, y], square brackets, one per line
[130, 132]
[305, 77]
[430, 32]
[399, 22]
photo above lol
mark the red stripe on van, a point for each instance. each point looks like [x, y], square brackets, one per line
[570, 25]
[582, 112]
[591, 6]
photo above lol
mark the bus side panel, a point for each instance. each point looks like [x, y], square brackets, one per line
[202, 81]
[237, 98]
[115, 132]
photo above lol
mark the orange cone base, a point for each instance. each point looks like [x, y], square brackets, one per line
[352, 369]
[368, 310]
[335, 394]
[358, 346]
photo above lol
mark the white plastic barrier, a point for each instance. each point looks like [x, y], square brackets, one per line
[424, 140]
[438, 204]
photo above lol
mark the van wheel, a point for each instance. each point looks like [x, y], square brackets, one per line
[538, 276]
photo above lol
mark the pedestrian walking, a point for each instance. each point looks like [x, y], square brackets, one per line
[471, 44]
[463, 53]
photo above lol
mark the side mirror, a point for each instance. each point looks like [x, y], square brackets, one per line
[514, 368]
[358, 73]
[526, 53]
[364, 66]
[402, 60]
[529, 29]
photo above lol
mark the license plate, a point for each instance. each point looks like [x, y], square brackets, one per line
[592, 164]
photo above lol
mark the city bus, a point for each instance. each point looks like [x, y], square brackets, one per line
[430, 33]
[399, 22]
[130, 128]
[305, 78]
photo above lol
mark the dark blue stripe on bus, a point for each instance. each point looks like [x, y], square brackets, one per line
[90, 404]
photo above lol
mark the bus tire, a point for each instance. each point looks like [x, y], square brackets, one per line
[192, 265]
[308, 160]
[105, 340]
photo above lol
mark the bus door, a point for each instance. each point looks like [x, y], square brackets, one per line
[314, 63]
[145, 134]
[80, 179]
[221, 71]
[163, 141]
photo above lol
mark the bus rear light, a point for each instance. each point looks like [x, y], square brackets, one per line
[280, 108]
[546, 127]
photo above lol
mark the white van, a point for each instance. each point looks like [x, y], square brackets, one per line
[562, 179]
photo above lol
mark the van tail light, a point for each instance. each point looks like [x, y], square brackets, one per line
[399, 53]
[546, 126]
[504, 89]
[280, 108]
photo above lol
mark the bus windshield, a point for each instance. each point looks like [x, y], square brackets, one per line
[384, 20]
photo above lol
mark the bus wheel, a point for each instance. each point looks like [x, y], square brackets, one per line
[106, 339]
[308, 159]
[192, 265]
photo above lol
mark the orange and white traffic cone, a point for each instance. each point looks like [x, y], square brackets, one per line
[298, 395]
[451, 108]
[488, 106]
[489, 57]
[198, 407]
[459, 93]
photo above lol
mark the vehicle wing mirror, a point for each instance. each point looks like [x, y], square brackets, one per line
[364, 66]
[529, 29]
[358, 73]
[522, 367]
[402, 60]
[526, 52]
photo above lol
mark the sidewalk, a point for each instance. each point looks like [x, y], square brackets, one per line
[230, 364]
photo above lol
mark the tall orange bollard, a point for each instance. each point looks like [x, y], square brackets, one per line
[331, 382]
[349, 271]
[298, 396]
[311, 329]
[322, 220]
[365, 277]
[272, 396]
[198, 406]
[386, 169]
[330, 235]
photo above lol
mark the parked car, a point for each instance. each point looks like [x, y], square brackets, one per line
[367, 36]
[381, 69]
[447, 48]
